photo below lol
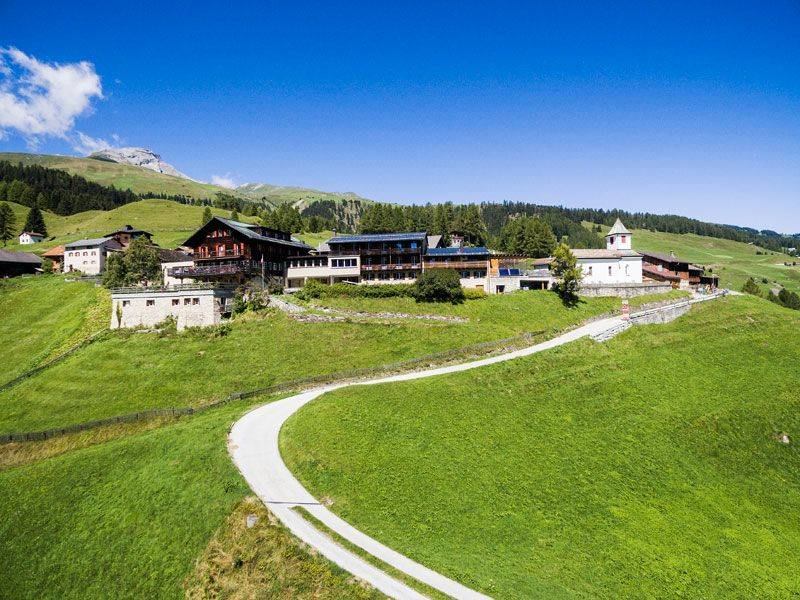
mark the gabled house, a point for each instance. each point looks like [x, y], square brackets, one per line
[678, 272]
[18, 263]
[125, 235]
[89, 256]
[617, 264]
[30, 237]
[56, 256]
[236, 252]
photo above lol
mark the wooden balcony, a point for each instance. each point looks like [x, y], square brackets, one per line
[396, 267]
[245, 267]
[457, 265]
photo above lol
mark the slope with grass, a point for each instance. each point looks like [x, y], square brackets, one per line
[142, 181]
[169, 222]
[647, 466]
[44, 316]
[733, 261]
[145, 515]
[127, 372]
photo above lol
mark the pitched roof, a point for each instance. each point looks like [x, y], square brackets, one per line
[587, 253]
[32, 233]
[618, 228]
[129, 229]
[19, 257]
[54, 252]
[379, 237]
[671, 258]
[166, 255]
[111, 243]
[247, 230]
[465, 251]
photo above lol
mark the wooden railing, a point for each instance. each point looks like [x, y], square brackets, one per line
[397, 267]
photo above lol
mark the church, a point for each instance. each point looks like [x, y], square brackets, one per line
[617, 264]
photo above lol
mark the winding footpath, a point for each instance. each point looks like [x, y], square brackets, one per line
[253, 445]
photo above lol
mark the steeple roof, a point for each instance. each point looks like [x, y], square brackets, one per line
[618, 229]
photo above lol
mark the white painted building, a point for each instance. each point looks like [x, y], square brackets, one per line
[190, 305]
[89, 256]
[617, 264]
[322, 268]
[30, 237]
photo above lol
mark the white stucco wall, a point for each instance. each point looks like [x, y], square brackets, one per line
[90, 260]
[194, 308]
[611, 271]
[25, 238]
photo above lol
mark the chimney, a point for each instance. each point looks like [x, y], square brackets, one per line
[671, 254]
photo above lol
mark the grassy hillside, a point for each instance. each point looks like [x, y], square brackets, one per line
[141, 181]
[733, 261]
[43, 316]
[127, 372]
[649, 466]
[169, 222]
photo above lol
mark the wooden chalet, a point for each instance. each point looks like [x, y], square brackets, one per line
[383, 256]
[125, 235]
[235, 252]
[680, 273]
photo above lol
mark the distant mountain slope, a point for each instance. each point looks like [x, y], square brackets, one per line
[138, 157]
[343, 207]
[139, 180]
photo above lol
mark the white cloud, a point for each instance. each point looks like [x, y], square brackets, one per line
[87, 144]
[225, 181]
[40, 99]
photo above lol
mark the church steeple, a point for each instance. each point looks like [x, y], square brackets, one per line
[619, 238]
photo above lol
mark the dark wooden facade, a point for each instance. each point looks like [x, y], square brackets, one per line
[668, 267]
[236, 252]
[384, 256]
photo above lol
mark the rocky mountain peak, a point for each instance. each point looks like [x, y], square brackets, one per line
[138, 157]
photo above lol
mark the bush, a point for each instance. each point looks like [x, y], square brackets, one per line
[439, 285]
[474, 294]
[314, 289]
[751, 287]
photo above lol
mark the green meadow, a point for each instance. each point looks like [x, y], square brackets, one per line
[648, 466]
[126, 372]
[733, 261]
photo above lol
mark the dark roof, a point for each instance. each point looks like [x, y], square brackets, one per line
[109, 243]
[166, 255]
[8, 256]
[467, 251]
[129, 229]
[662, 275]
[248, 230]
[32, 233]
[379, 237]
[664, 257]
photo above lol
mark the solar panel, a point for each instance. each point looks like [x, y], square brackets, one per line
[514, 272]
[504, 273]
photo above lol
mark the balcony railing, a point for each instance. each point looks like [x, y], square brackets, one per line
[463, 264]
[234, 268]
[396, 267]
[373, 251]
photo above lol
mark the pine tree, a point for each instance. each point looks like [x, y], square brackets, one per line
[35, 222]
[7, 223]
[207, 216]
[234, 215]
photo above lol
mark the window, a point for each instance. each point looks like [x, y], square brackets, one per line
[186, 301]
[624, 237]
[590, 270]
[94, 252]
[126, 303]
[85, 253]
[611, 240]
[609, 270]
[176, 301]
[627, 267]
[195, 301]
[151, 303]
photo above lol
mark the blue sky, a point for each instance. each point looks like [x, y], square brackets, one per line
[687, 108]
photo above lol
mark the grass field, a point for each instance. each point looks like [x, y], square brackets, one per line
[169, 222]
[126, 372]
[147, 515]
[43, 316]
[648, 466]
[733, 261]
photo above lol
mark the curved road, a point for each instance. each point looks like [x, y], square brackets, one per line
[253, 444]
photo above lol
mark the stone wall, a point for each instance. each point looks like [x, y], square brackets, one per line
[662, 314]
[189, 307]
[625, 290]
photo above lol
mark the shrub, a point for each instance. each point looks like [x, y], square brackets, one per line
[474, 294]
[439, 285]
[751, 287]
[314, 289]
[567, 273]
[764, 280]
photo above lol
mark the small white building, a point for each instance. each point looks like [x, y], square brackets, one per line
[617, 264]
[30, 237]
[89, 256]
[322, 268]
[190, 305]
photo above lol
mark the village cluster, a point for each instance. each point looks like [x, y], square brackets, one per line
[200, 277]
